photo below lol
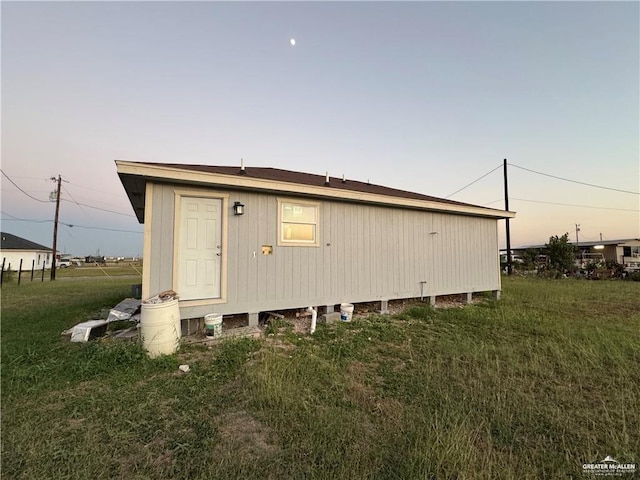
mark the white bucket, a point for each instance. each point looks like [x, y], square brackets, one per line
[160, 327]
[213, 325]
[346, 312]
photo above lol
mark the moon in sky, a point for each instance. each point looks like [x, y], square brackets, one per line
[293, 41]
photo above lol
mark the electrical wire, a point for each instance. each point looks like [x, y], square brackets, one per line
[574, 181]
[494, 201]
[65, 200]
[24, 219]
[587, 237]
[73, 199]
[476, 180]
[15, 185]
[102, 228]
[94, 189]
[98, 208]
[70, 225]
[574, 205]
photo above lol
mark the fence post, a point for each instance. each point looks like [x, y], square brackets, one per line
[19, 271]
[33, 266]
[42, 278]
[2, 273]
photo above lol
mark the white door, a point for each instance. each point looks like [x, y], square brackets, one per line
[199, 248]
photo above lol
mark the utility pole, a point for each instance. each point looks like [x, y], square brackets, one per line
[55, 227]
[506, 207]
[578, 241]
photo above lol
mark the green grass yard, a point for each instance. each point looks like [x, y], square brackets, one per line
[111, 270]
[530, 387]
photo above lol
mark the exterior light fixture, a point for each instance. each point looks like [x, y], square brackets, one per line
[238, 208]
[599, 247]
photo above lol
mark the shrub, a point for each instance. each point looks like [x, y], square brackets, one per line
[561, 252]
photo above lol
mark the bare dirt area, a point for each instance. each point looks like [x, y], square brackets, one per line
[300, 319]
[244, 434]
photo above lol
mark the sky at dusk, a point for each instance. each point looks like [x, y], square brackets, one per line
[420, 96]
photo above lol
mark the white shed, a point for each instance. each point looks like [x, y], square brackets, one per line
[302, 239]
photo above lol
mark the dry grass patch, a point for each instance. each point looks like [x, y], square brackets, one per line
[363, 384]
[244, 435]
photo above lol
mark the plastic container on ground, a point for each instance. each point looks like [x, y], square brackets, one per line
[160, 327]
[346, 312]
[213, 325]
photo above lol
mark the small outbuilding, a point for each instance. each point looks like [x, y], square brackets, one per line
[236, 240]
[16, 249]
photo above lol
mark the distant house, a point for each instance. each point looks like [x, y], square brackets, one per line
[237, 240]
[623, 251]
[14, 249]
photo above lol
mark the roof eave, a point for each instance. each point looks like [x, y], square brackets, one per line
[163, 173]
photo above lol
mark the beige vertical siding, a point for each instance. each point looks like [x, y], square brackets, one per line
[161, 265]
[365, 253]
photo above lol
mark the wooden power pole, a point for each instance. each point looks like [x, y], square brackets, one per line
[55, 227]
[506, 207]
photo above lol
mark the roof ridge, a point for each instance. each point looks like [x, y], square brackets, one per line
[336, 182]
[310, 179]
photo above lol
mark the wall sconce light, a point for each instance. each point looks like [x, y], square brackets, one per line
[238, 208]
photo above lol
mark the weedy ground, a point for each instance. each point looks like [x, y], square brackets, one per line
[528, 387]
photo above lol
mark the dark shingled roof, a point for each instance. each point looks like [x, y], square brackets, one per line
[306, 179]
[12, 242]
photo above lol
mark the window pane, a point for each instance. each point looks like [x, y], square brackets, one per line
[298, 213]
[297, 232]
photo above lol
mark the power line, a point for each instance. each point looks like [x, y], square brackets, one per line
[476, 180]
[70, 225]
[574, 181]
[25, 219]
[587, 237]
[15, 185]
[575, 205]
[31, 178]
[102, 228]
[97, 208]
[72, 198]
[70, 201]
[95, 189]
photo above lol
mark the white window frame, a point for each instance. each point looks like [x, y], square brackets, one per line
[298, 243]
